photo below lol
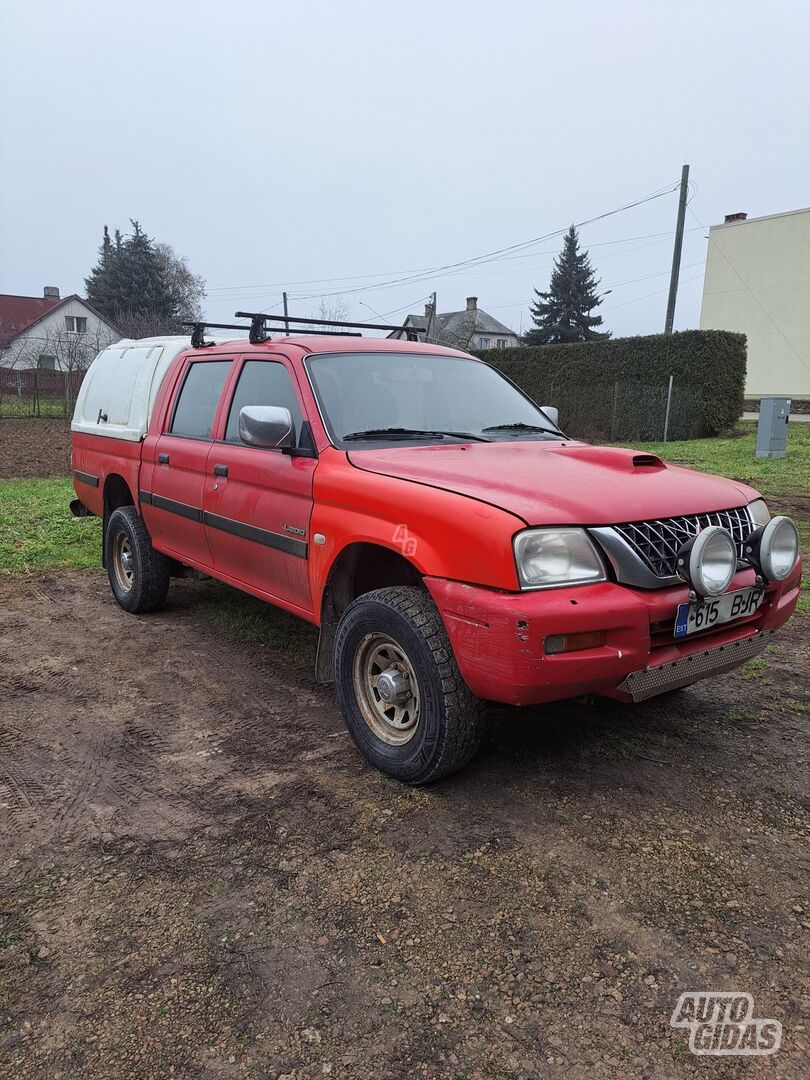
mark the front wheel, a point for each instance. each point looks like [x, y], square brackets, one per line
[399, 688]
[139, 575]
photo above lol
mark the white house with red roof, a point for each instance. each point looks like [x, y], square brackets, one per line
[51, 333]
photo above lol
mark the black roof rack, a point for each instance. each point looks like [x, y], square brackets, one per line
[198, 331]
[258, 329]
[258, 318]
[256, 332]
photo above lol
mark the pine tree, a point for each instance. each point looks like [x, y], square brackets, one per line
[98, 281]
[147, 286]
[141, 286]
[563, 314]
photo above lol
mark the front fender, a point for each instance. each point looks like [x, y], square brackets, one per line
[441, 533]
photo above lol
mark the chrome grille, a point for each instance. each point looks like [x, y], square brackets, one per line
[658, 542]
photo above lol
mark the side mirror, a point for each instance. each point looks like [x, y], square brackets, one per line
[266, 425]
[552, 413]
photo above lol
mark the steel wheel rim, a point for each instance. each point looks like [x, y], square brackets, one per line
[123, 561]
[393, 722]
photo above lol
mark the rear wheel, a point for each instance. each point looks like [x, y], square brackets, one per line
[399, 688]
[139, 575]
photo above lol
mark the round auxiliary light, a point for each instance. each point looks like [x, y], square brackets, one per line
[774, 548]
[708, 561]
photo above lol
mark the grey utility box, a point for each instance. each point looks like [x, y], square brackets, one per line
[773, 427]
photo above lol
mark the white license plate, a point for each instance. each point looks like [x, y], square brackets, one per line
[719, 609]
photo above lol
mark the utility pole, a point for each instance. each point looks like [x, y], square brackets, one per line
[676, 254]
[286, 319]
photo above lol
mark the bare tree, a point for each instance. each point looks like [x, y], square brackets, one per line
[143, 324]
[187, 289]
[49, 367]
[334, 310]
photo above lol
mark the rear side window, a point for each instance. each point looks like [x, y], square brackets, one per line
[197, 404]
[263, 382]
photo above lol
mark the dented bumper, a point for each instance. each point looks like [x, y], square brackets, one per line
[499, 638]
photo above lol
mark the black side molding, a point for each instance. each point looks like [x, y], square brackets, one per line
[86, 478]
[288, 544]
[193, 513]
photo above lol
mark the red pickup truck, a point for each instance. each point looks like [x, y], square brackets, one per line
[452, 545]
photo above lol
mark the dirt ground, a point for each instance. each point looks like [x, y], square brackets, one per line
[202, 879]
[31, 448]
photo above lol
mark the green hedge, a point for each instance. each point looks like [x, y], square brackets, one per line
[616, 389]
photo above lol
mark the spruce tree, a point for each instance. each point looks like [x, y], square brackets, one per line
[147, 286]
[98, 282]
[563, 314]
[131, 285]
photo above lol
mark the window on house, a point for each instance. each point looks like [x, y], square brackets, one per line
[501, 342]
[483, 343]
[76, 324]
[46, 363]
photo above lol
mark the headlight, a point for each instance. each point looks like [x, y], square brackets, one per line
[773, 550]
[760, 514]
[549, 557]
[708, 561]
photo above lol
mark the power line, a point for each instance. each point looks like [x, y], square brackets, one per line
[611, 285]
[261, 288]
[657, 292]
[548, 266]
[479, 260]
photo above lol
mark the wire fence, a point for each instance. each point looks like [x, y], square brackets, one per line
[604, 411]
[27, 392]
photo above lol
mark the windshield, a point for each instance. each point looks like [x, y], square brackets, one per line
[405, 396]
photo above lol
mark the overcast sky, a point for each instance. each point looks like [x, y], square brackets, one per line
[331, 145]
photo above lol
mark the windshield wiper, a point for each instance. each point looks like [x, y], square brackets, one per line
[410, 433]
[520, 426]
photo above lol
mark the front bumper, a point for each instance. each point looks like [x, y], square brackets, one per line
[498, 638]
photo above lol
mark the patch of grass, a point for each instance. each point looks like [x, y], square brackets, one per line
[38, 531]
[753, 668]
[247, 619]
[777, 478]
[21, 408]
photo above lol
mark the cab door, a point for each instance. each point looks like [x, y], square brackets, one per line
[258, 501]
[173, 504]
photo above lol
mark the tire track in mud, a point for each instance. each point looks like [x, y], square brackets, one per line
[123, 726]
[20, 790]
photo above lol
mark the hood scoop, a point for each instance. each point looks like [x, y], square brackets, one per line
[614, 457]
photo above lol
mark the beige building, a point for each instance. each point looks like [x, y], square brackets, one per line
[758, 283]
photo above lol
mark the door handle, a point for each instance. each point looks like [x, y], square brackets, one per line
[163, 459]
[220, 470]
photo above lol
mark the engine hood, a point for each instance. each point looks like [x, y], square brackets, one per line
[551, 483]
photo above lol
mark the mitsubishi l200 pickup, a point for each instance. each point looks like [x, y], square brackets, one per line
[451, 543]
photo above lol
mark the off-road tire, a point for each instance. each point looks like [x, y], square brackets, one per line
[150, 569]
[451, 720]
